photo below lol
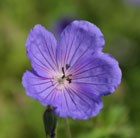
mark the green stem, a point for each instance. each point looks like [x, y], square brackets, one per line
[56, 131]
[68, 128]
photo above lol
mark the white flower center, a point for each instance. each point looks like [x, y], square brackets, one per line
[62, 80]
[62, 83]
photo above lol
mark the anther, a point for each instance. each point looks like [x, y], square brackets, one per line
[63, 70]
[63, 77]
[69, 80]
[67, 66]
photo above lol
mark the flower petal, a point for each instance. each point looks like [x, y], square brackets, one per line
[38, 87]
[41, 50]
[69, 102]
[79, 40]
[78, 104]
[101, 74]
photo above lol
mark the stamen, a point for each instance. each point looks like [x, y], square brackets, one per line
[69, 80]
[67, 66]
[63, 77]
[63, 70]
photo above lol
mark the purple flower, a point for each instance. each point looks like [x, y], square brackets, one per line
[73, 73]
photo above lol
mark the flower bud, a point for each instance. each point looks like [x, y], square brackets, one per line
[50, 121]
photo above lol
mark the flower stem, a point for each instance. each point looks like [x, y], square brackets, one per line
[68, 128]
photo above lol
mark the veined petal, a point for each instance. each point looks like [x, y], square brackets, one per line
[40, 88]
[41, 50]
[79, 40]
[72, 102]
[78, 104]
[101, 74]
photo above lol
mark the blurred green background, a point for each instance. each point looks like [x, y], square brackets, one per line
[119, 20]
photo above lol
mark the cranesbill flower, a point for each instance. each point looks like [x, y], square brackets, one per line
[72, 74]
